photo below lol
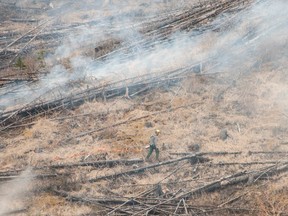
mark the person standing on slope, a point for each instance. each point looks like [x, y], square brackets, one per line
[153, 145]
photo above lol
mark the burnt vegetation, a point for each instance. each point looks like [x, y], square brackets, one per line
[83, 87]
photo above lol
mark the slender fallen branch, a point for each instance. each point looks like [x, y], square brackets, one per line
[247, 163]
[15, 212]
[170, 182]
[232, 200]
[41, 176]
[178, 168]
[118, 207]
[177, 206]
[185, 207]
[24, 20]
[19, 38]
[267, 152]
[30, 41]
[242, 210]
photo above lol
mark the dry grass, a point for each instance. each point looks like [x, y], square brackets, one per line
[272, 201]
[200, 124]
[251, 110]
[52, 205]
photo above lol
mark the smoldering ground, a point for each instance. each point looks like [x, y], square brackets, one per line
[237, 43]
[13, 193]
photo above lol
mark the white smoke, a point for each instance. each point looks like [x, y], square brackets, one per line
[13, 192]
[237, 43]
[247, 39]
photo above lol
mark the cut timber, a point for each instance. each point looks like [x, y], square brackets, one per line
[42, 176]
[232, 200]
[267, 152]
[102, 163]
[15, 212]
[102, 200]
[24, 20]
[205, 153]
[245, 163]
[143, 169]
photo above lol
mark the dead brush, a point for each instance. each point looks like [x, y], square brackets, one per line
[271, 201]
[126, 151]
[31, 64]
[108, 133]
[56, 205]
[48, 200]
[194, 84]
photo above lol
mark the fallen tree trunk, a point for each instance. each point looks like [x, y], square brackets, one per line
[24, 20]
[227, 153]
[102, 163]
[267, 152]
[41, 176]
[10, 174]
[143, 169]
[15, 212]
[205, 153]
[102, 200]
[245, 163]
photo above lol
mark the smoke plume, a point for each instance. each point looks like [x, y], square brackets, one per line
[13, 192]
[237, 43]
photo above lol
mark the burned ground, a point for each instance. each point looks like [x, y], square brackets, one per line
[77, 147]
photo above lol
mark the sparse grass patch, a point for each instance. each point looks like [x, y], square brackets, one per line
[20, 63]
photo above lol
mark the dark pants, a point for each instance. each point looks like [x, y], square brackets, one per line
[151, 149]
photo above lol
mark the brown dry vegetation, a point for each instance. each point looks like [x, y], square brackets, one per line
[247, 124]
[252, 108]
